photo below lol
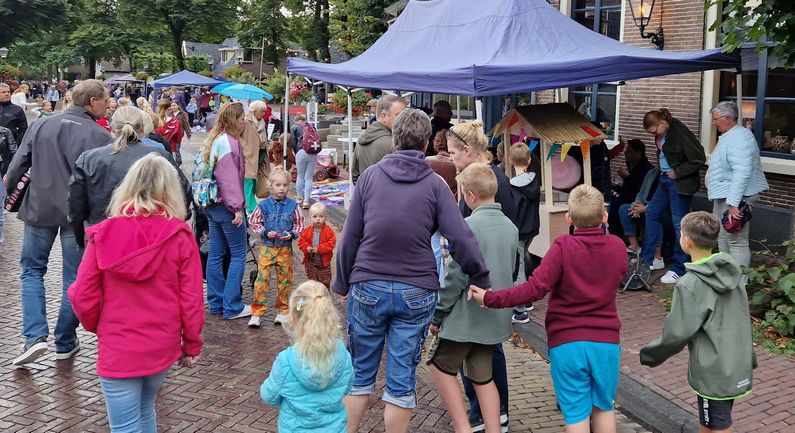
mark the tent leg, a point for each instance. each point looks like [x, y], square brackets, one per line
[350, 140]
[458, 108]
[479, 109]
[286, 120]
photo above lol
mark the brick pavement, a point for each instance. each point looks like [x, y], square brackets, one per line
[221, 394]
[771, 406]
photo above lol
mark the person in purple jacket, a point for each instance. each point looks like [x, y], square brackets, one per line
[386, 264]
[227, 224]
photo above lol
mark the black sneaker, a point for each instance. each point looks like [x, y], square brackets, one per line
[31, 351]
[476, 422]
[60, 356]
[530, 307]
[520, 317]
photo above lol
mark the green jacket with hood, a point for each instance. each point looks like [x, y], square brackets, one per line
[373, 146]
[710, 315]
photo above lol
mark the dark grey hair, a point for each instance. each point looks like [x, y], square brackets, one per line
[727, 109]
[386, 102]
[411, 130]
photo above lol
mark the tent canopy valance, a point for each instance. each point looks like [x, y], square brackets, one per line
[499, 47]
[122, 79]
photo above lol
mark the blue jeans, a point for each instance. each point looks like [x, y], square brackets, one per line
[131, 402]
[667, 194]
[395, 313]
[628, 223]
[499, 374]
[306, 173]
[223, 294]
[36, 247]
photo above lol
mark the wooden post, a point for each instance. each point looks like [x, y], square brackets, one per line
[546, 172]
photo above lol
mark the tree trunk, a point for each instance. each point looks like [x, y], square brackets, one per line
[325, 36]
[176, 30]
[92, 67]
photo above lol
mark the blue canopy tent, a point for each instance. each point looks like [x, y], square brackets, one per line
[183, 78]
[498, 47]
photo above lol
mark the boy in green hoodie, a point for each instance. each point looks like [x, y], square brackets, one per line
[709, 314]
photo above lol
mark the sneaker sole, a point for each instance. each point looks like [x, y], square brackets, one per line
[520, 321]
[31, 355]
[67, 355]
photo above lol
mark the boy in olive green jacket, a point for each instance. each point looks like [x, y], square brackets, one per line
[467, 333]
[710, 315]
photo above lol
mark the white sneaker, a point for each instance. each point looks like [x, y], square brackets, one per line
[281, 319]
[670, 277]
[254, 322]
[245, 313]
[657, 264]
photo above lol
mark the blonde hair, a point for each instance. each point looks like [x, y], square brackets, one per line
[154, 118]
[318, 209]
[479, 179]
[225, 124]
[470, 134]
[586, 206]
[278, 172]
[126, 124]
[162, 108]
[124, 102]
[22, 88]
[151, 187]
[315, 328]
[85, 90]
[519, 154]
[68, 100]
[703, 228]
[143, 104]
[149, 126]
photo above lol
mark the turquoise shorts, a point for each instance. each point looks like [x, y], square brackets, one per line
[585, 374]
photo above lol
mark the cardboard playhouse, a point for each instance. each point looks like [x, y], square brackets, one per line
[557, 129]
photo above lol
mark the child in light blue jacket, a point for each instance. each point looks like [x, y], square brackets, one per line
[309, 379]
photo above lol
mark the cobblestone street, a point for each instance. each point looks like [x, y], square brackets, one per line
[221, 394]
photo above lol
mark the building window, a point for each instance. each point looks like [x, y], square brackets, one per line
[227, 55]
[248, 56]
[598, 101]
[768, 105]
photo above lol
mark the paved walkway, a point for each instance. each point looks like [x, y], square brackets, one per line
[771, 406]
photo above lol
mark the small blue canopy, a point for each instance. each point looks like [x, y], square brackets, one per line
[499, 47]
[243, 91]
[185, 78]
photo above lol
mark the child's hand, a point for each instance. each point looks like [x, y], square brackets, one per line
[477, 294]
[286, 236]
[311, 249]
[433, 329]
[188, 361]
[272, 235]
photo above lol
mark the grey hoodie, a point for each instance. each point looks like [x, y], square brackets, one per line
[373, 145]
[710, 315]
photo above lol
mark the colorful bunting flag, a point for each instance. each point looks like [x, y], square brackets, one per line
[514, 119]
[565, 151]
[554, 149]
[533, 143]
[591, 131]
[584, 145]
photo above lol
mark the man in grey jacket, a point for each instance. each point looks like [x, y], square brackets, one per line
[49, 150]
[376, 142]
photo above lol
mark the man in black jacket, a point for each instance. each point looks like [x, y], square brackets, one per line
[11, 115]
[49, 150]
[637, 165]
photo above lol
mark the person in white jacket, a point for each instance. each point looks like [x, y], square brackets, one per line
[20, 97]
[734, 175]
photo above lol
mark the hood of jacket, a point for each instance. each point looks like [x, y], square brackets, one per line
[372, 133]
[522, 181]
[127, 246]
[311, 379]
[719, 272]
[405, 166]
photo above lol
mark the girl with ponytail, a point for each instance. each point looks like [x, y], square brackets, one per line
[315, 373]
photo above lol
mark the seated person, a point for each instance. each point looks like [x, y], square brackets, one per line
[637, 165]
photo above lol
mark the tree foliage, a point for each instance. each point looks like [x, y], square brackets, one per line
[264, 19]
[25, 18]
[770, 23]
[309, 26]
[357, 24]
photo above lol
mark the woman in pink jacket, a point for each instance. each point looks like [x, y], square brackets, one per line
[139, 288]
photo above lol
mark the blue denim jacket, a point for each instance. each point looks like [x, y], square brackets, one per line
[280, 217]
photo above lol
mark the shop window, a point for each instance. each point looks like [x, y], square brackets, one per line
[768, 107]
[598, 101]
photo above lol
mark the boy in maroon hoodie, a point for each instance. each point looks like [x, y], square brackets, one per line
[581, 272]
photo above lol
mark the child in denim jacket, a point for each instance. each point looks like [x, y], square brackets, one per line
[278, 220]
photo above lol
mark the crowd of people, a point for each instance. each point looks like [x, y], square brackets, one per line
[133, 270]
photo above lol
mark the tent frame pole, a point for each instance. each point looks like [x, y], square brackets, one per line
[350, 138]
[739, 96]
[286, 120]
